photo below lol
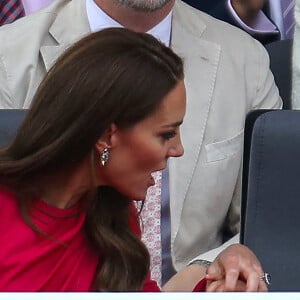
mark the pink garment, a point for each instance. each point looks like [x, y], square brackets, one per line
[151, 224]
[31, 262]
[31, 6]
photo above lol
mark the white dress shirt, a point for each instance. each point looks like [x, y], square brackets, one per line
[31, 6]
[98, 20]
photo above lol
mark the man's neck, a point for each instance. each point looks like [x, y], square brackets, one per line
[132, 19]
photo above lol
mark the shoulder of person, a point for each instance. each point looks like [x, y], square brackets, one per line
[214, 30]
[29, 28]
[7, 199]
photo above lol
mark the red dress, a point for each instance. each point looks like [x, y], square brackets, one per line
[32, 262]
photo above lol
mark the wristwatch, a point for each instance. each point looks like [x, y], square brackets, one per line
[201, 262]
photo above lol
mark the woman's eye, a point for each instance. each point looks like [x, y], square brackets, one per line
[168, 135]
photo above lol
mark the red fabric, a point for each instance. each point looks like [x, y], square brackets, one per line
[150, 286]
[30, 261]
[200, 286]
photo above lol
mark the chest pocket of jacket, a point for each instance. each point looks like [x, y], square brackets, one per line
[224, 149]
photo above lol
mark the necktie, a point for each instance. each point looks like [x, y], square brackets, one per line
[10, 10]
[288, 17]
[151, 226]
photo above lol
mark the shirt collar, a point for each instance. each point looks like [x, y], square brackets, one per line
[98, 20]
[261, 23]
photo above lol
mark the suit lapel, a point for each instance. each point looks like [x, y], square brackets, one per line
[201, 60]
[60, 39]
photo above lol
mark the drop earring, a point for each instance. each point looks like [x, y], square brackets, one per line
[104, 156]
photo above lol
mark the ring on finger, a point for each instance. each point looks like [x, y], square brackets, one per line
[266, 277]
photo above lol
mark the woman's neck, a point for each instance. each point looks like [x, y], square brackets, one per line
[62, 198]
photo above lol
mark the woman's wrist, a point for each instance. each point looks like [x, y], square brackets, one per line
[200, 262]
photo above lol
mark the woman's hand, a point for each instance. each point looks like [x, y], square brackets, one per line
[236, 269]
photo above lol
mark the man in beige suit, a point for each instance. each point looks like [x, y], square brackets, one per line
[226, 76]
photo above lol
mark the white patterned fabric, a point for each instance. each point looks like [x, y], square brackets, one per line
[296, 59]
[151, 226]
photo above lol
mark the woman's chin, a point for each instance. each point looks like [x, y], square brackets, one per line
[138, 196]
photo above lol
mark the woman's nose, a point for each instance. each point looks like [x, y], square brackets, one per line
[176, 150]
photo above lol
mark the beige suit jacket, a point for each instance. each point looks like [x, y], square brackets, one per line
[226, 75]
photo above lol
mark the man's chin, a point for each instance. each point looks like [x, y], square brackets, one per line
[145, 6]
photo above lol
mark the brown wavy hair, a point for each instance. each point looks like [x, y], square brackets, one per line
[111, 76]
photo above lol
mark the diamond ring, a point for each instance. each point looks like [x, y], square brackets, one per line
[266, 277]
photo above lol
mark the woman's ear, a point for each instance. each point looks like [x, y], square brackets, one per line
[107, 140]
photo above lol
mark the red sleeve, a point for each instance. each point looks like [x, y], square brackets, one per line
[150, 285]
[200, 286]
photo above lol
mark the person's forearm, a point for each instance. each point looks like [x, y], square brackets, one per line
[186, 279]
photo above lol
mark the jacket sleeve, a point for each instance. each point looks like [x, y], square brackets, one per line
[150, 285]
[5, 99]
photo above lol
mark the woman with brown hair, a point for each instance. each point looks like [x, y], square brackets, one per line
[105, 117]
